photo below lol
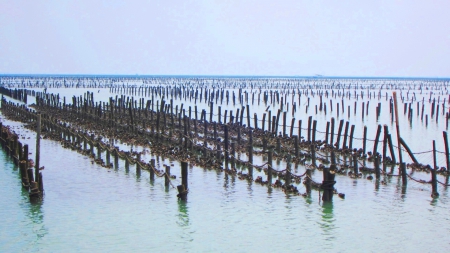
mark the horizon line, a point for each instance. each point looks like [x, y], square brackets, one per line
[223, 76]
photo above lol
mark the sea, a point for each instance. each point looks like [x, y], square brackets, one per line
[88, 208]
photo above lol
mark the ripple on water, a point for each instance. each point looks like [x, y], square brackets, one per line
[87, 207]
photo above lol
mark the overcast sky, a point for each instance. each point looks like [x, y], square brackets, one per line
[293, 38]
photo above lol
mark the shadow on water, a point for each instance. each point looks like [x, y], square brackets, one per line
[183, 215]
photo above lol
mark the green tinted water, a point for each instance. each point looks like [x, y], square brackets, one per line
[89, 208]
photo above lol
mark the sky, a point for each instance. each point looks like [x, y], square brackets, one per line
[376, 38]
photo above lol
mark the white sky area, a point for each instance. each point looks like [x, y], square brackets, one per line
[284, 38]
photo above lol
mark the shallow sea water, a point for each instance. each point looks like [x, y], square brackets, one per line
[89, 208]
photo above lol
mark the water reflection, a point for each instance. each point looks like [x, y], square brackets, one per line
[138, 175]
[183, 215]
[328, 219]
[226, 182]
[377, 185]
[404, 192]
[269, 191]
[434, 201]
[36, 217]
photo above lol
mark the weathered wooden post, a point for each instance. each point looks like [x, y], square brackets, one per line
[269, 167]
[332, 133]
[167, 176]
[309, 127]
[278, 145]
[288, 171]
[404, 175]
[183, 188]
[99, 151]
[377, 167]
[344, 143]
[138, 163]
[116, 158]
[355, 165]
[38, 147]
[434, 193]
[24, 175]
[91, 145]
[227, 152]
[250, 153]
[108, 156]
[307, 182]
[127, 164]
[328, 183]
[447, 160]
[394, 94]
[364, 139]
[233, 154]
[377, 137]
[152, 169]
[341, 123]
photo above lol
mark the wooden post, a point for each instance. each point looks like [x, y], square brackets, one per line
[233, 154]
[250, 153]
[364, 139]
[38, 147]
[332, 133]
[377, 137]
[116, 159]
[309, 128]
[227, 152]
[152, 169]
[394, 94]
[307, 182]
[24, 174]
[377, 167]
[108, 156]
[341, 123]
[167, 176]
[344, 144]
[138, 163]
[99, 151]
[352, 130]
[447, 160]
[292, 127]
[404, 175]
[288, 171]
[269, 168]
[278, 145]
[434, 193]
[184, 174]
[127, 164]
[385, 140]
[391, 148]
[408, 150]
[183, 188]
[328, 183]
[355, 165]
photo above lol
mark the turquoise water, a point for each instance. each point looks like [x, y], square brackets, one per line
[90, 208]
